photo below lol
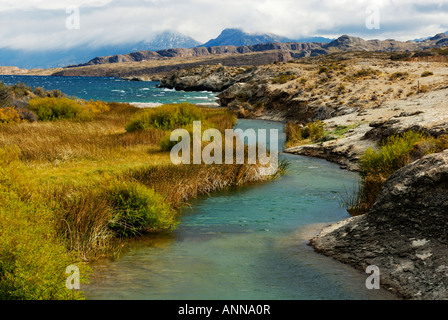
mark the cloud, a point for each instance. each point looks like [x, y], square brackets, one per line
[41, 24]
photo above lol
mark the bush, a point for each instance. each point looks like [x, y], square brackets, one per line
[52, 109]
[20, 90]
[138, 209]
[9, 115]
[366, 72]
[398, 75]
[283, 78]
[396, 152]
[166, 117]
[4, 95]
[32, 259]
[427, 74]
[97, 106]
[314, 130]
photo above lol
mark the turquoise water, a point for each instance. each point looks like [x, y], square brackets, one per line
[112, 89]
[243, 243]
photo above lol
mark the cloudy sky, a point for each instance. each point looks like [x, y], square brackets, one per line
[51, 24]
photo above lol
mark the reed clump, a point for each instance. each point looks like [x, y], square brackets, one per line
[376, 166]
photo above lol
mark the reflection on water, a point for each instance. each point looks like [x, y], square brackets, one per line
[244, 243]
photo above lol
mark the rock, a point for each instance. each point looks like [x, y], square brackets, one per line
[404, 234]
[211, 78]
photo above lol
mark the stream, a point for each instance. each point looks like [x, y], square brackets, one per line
[245, 243]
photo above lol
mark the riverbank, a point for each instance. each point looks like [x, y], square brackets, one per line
[404, 234]
[400, 233]
[368, 97]
[79, 177]
[424, 112]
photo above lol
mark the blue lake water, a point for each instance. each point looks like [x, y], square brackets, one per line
[112, 89]
[243, 243]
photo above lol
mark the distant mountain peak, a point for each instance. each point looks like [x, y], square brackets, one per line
[238, 37]
[439, 36]
[169, 39]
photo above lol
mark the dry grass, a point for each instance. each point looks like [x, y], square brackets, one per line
[74, 164]
[184, 182]
[68, 140]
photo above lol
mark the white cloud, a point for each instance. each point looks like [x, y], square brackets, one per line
[40, 24]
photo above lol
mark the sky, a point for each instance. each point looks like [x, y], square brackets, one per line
[62, 24]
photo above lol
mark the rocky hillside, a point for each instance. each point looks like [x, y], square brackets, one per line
[295, 49]
[313, 88]
[404, 234]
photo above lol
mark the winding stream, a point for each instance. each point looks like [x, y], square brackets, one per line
[244, 243]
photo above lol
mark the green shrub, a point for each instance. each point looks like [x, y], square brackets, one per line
[366, 72]
[32, 258]
[427, 74]
[398, 75]
[283, 78]
[138, 209]
[166, 117]
[296, 133]
[394, 154]
[397, 151]
[314, 130]
[51, 109]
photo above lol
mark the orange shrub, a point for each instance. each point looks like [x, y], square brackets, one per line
[9, 116]
[97, 106]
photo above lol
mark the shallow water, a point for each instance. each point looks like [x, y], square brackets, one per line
[245, 243]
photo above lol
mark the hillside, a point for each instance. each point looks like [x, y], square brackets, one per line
[147, 65]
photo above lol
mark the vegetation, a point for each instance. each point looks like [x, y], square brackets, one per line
[52, 109]
[398, 75]
[283, 78]
[299, 134]
[33, 260]
[74, 191]
[366, 73]
[9, 115]
[427, 74]
[377, 165]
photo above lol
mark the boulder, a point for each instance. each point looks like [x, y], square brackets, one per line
[404, 234]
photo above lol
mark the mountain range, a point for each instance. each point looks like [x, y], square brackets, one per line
[160, 41]
[169, 44]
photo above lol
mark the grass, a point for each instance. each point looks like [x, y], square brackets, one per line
[33, 258]
[299, 134]
[376, 166]
[74, 191]
[398, 75]
[283, 78]
[313, 132]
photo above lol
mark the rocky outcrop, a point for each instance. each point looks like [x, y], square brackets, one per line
[404, 234]
[211, 78]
